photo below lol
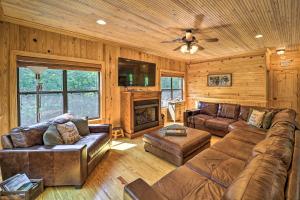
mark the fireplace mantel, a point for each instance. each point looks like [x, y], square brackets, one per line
[129, 102]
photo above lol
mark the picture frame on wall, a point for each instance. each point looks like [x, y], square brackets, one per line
[219, 80]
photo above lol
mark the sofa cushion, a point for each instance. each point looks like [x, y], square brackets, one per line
[61, 119]
[263, 178]
[234, 148]
[286, 115]
[246, 136]
[283, 130]
[94, 143]
[208, 108]
[201, 118]
[217, 166]
[230, 111]
[241, 124]
[82, 126]
[52, 136]
[26, 137]
[184, 183]
[68, 132]
[219, 123]
[277, 147]
[244, 112]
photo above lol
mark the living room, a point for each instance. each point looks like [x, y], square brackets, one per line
[125, 74]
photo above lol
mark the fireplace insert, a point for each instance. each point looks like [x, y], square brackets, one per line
[146, 114]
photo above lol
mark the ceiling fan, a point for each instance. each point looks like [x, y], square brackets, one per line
[189, 41]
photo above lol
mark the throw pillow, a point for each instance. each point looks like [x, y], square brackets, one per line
[256, 118]
[52, 136]
[68, 132]
[82, 126]
[267, 120]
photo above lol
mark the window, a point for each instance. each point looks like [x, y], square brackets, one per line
[171, 89]
[61, 91]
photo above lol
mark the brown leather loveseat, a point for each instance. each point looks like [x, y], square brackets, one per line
[220, 118]
[244, 165]
[57, 165]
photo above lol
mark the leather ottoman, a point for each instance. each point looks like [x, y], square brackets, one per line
[174, 149]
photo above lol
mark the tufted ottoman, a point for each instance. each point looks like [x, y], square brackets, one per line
[175, 149]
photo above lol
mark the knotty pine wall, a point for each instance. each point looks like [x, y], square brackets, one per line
[249, 81]
[16, 37]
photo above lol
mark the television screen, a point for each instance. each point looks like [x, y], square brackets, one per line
[136, 73]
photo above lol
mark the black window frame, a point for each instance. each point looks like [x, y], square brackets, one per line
[171, 89]
[64, 92]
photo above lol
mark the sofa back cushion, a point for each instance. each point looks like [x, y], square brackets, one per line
[263, 178]
[228, 110]
[286, 115]
[244, 112]
[208, 108]
[26, 137]
[277, 147]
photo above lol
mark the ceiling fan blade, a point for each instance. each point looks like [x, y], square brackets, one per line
[177, 48]
[198, 21]
[211, 40]
[173, 41]
[200, 47]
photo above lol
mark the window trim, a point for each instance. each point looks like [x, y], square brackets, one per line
[64, 92]
[171, 89]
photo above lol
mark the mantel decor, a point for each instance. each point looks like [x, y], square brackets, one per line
[219, 80]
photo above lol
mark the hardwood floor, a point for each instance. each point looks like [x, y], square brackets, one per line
[126, 162]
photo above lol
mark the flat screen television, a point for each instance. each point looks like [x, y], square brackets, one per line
[136, 73]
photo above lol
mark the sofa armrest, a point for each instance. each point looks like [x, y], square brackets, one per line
[189, 113]
[100, 128]
[140, 190]
[57, 165]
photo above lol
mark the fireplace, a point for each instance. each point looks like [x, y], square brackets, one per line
[146, 114]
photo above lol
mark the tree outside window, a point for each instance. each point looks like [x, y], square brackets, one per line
[72, 91]
[172, 89]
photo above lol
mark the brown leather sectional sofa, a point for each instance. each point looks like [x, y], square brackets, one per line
[60, 164]
[247, 164]
[219, 119]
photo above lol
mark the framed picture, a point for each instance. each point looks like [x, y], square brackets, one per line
[219, 80]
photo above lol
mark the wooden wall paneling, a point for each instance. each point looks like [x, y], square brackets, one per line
[112, 95]
[248, 81]
[37, 42]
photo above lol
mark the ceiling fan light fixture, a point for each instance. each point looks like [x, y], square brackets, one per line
[280, 51]
[184, 49]
[258, 36]
[101, 22]
[194, 49]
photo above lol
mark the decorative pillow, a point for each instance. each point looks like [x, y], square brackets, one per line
[267, 120]
[256, 118]
[82, 126]
[68, 132]
[52, 136]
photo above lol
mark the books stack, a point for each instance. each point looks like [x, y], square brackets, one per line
[19, 182]
[175, 130]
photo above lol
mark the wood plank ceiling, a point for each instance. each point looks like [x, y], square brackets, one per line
[145, 23]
